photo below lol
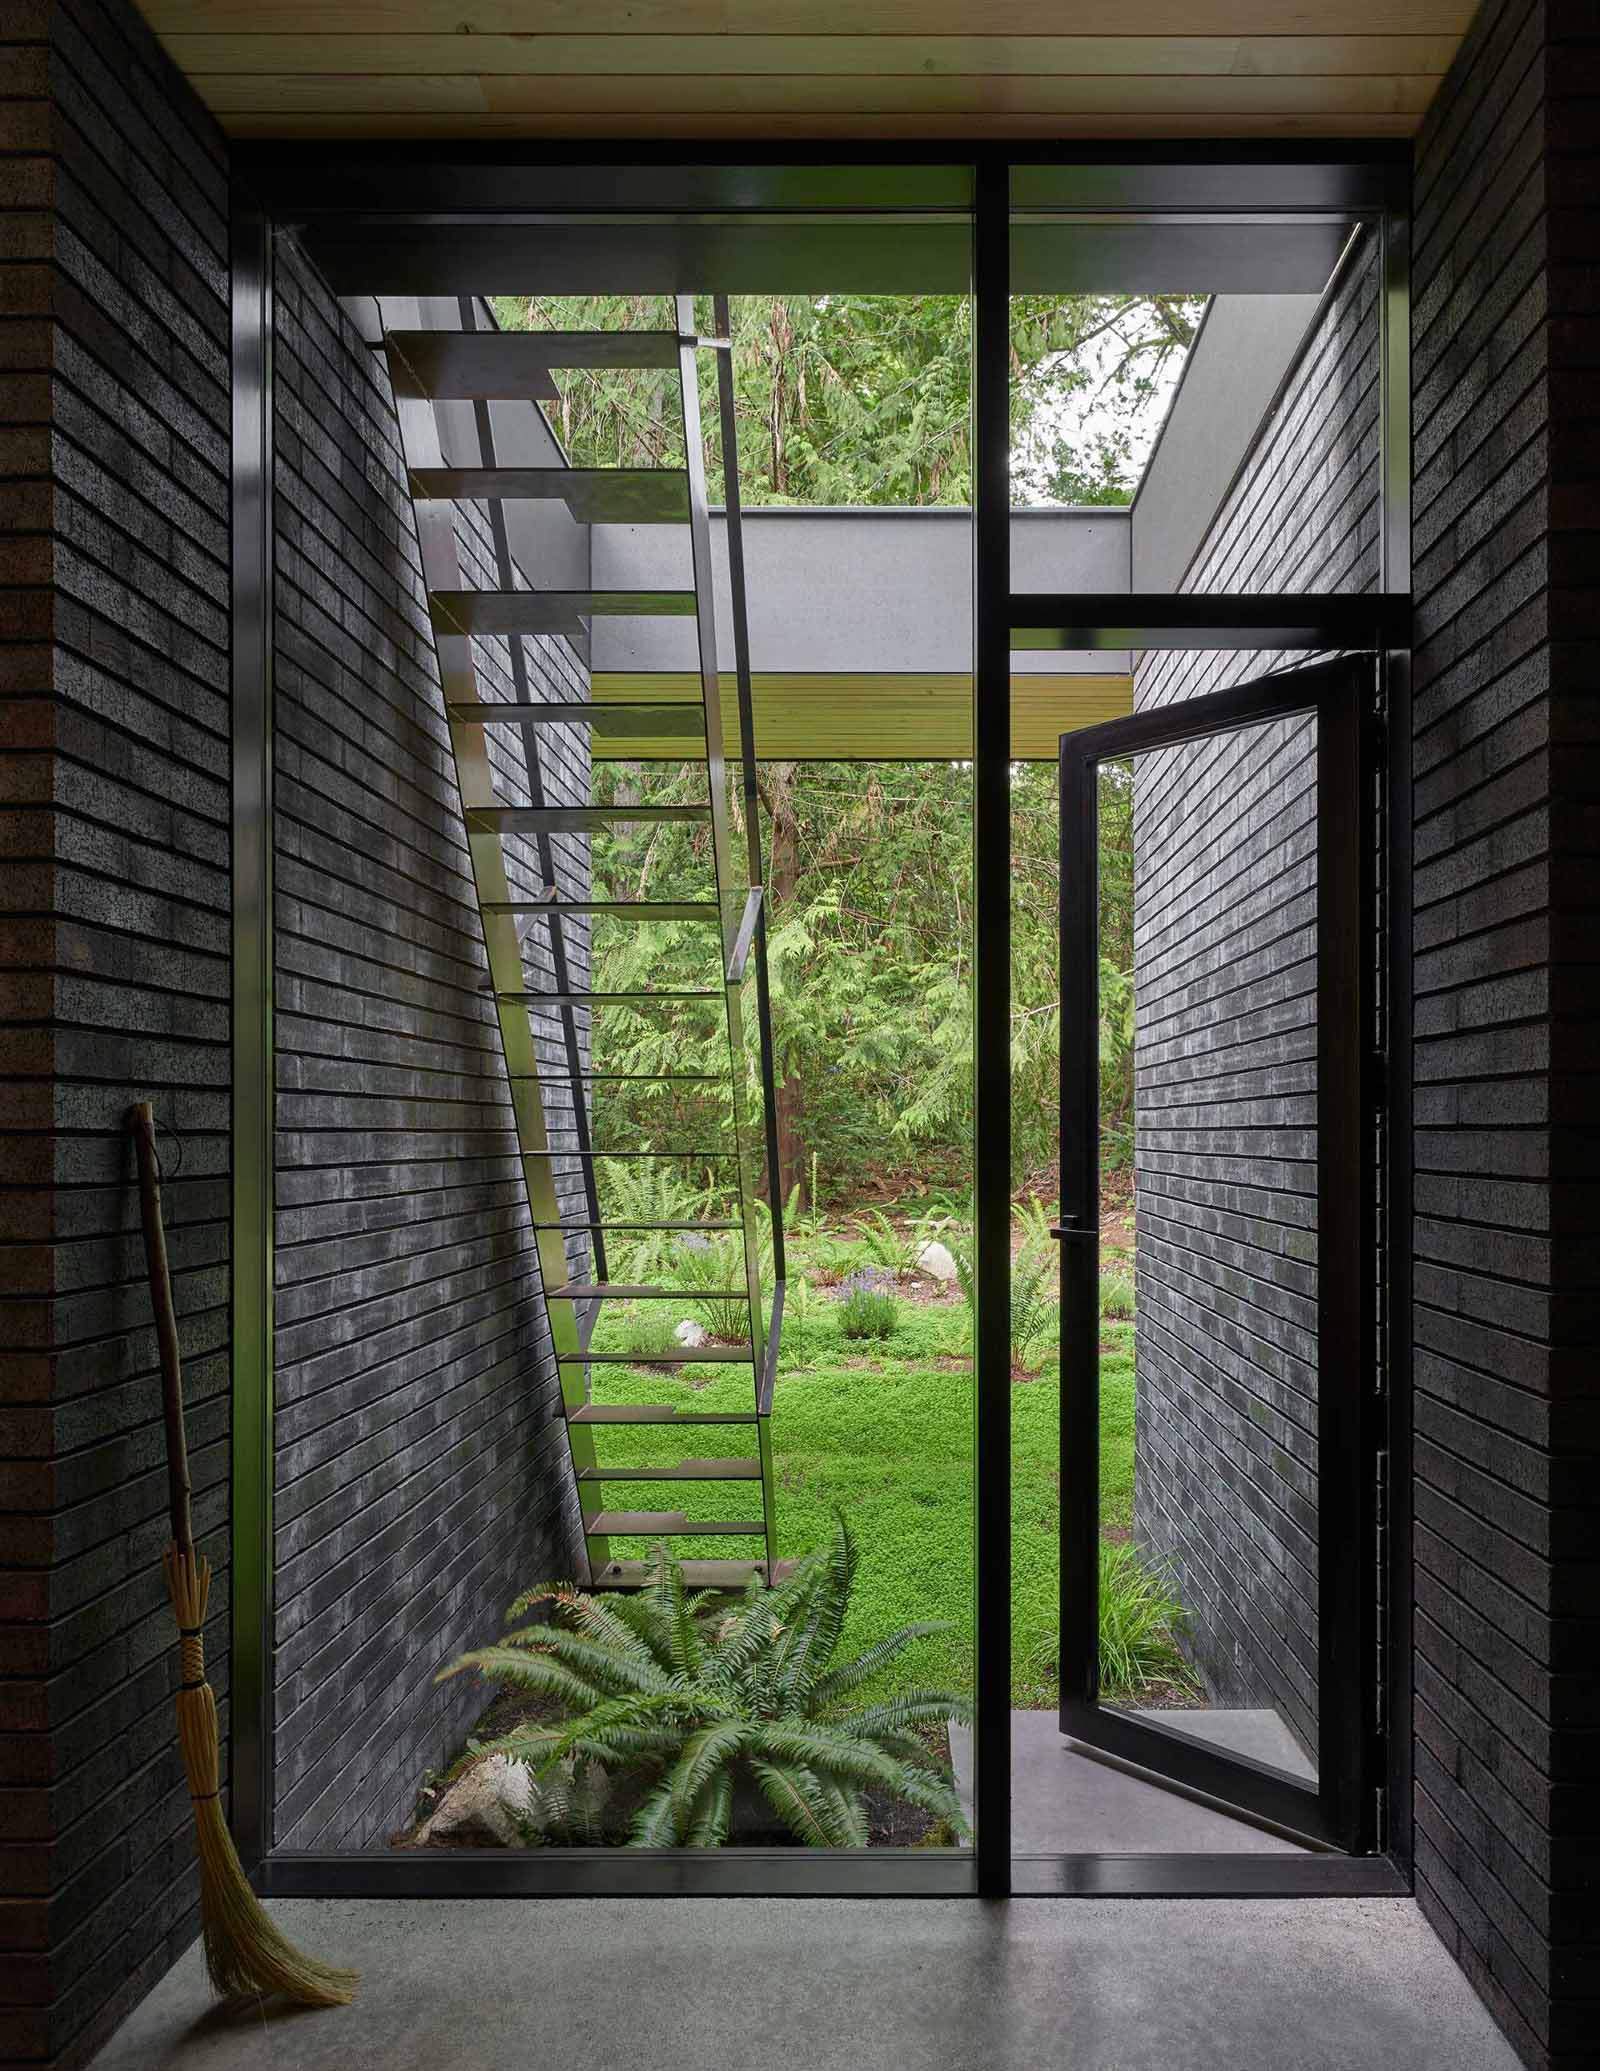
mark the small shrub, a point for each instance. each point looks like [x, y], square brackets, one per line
[1116, 1297]
[866, 1308]
[719, 1264]
[1140, 1620]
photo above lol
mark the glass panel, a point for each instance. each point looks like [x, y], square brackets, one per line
[861, 639]
[1195, 407]
[1208, 1239]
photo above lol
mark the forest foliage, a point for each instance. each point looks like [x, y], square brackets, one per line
[866, 400]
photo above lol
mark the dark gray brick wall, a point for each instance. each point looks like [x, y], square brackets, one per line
[1506, 343]
[114, 976]
[422, 1470]
[1225, 1489]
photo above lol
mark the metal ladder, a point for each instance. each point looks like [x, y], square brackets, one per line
[551, 1094]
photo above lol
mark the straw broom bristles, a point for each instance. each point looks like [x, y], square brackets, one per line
[246, 1955]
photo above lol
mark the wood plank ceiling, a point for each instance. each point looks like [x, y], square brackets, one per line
[769, 69]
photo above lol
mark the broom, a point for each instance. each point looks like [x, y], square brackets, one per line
[245, 1953]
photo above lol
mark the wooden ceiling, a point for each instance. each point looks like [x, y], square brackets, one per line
[771, 69]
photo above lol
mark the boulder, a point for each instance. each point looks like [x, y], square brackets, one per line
[691, 1335]
[486, 1805]
[935, 1260]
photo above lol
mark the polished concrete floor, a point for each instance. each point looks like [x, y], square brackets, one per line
[1064, 1802]
[848, 1985]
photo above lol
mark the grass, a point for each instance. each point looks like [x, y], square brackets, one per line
[884, 1433]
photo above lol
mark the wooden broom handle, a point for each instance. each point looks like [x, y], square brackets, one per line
[142, 1122]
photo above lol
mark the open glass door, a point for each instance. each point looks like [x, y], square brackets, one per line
[1254, 1155]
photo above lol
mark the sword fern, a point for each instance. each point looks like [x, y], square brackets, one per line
[712, 1701]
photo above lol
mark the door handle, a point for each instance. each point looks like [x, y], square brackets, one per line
[1068, 1233]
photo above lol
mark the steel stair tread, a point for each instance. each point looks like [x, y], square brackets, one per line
[647, 1524]
[594, 495]
[704, 910]
[686, 1470]
[670, 1355]
[608, 1225]
[531, 997]
[617, 1291]
[576, 819]
[657, 1413]
[498, 612]
[620, 722]
[697, 1574]
[496, 366]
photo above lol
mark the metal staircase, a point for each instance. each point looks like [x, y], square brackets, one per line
[500, 751]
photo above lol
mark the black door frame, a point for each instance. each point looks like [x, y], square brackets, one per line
[282, 187]
[1343, 695]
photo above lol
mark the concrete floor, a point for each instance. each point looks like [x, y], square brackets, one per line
[1066, 1803]
[848, 1985]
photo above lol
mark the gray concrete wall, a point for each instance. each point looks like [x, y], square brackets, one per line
[1225, 1490]
[114, 975]
[421, 1461]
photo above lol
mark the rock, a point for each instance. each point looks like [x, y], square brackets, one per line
[935, 1260]
[691, 1240]
[691, 1334]
[486, 1805]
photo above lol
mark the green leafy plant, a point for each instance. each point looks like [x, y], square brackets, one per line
[796, 1315]
[719, 1265]
[1033, 1304]
[714, 1704]
[649, 1190]
[1141, 1619]
[1033, 1294]
[868, 1310]
[1141, 1622]
[894, 1250]
[1116, 1297]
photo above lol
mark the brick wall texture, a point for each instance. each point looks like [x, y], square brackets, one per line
[114, 976]
[1225, 901]
[1506, 343]
[422, 1475]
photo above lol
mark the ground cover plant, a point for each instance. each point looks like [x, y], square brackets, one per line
[882, 1431]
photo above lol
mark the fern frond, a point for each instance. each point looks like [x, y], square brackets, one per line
[799, 1804]
[841, 1681]
[914, 1708]
[713, 1815]
[704, 1753]
[609, 1668]
[525, 1671]
[653, 1824]
[833, 1754]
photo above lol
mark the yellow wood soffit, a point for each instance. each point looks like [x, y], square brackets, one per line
[774, 68]
[840, 718]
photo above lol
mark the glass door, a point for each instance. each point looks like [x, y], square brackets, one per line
[1243, 1339]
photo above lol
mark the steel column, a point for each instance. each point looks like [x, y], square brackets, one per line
[991, 545]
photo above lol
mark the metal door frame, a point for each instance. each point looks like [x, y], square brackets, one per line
[279, 186]
[1341, 1809]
